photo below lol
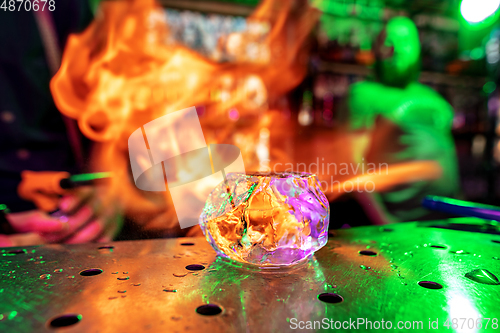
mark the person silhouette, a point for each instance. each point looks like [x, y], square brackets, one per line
[394, 119]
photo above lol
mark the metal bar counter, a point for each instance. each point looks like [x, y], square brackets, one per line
[413, 272]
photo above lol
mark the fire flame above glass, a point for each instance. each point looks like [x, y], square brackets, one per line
[124, 71]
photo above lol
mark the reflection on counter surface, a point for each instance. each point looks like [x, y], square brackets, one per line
[417, 273]
[340, 158]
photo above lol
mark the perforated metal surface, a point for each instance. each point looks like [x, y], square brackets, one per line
[161, 295]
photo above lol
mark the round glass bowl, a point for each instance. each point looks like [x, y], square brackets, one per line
[267, 219]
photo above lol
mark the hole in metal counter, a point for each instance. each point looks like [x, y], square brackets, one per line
[17, 251]
[330, 298]
[430, 285]
[209, 309]
[109, 247]
[65, 320]
[195, 267]
[91, 272]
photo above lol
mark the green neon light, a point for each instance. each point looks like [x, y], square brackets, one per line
[90, 176]
[489, 87]
[463, 203]
[479, 14]
[477, 53]
[12, 315]
[475, 11]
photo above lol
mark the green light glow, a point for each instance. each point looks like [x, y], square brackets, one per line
[460, 305]
[12, 315]
[489, 87]
[90, 176]
[463, 203]
[477, 53]
[475, 11]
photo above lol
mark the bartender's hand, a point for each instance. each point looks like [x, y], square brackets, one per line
[20, 240]
[82, 219]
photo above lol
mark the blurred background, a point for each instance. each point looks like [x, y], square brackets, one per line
[288, 82]
[459, 60]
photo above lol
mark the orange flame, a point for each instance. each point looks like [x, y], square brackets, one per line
[120, 74]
